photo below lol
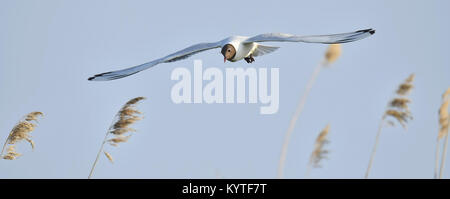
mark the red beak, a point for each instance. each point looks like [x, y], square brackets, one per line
[224, 59]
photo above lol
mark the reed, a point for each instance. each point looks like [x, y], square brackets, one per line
[118, 130]
[319, 153]
[21, 131]
[398, 110]
[444, 120]
[332, 54]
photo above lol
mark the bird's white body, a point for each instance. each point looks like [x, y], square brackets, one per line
[245, 47]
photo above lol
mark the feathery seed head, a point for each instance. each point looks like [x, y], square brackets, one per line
[119, 139]
[33, 116]
[134, 101]
[333, 53]
[398, 107]
[446, 95]
[122, 131]
[444, 117]
[406, 86]
[11, 153]
[319, 152]
[401, 103]
[109, 156]
[124, 118]
[401, 116]
[21, 132]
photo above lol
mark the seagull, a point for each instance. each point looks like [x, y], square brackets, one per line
[236, 48]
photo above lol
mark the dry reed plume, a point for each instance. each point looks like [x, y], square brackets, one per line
[444, 120]
[20, 132]
[319, 153]
[126, 116]
[331, 55]
[397, 109]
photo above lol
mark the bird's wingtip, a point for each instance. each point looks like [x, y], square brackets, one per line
[370, 30]
[100, 77]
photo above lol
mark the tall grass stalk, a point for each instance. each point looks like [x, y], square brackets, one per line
[444, 121]
[374, 150]
[444, 154]
[436, 161]
[319, 153]
[126, 116]
[21, 131]
[331, 55]
[396, 109]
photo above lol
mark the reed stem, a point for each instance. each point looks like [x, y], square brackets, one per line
[4, 145]
[3, 149]
[294, 119]
[101, 149]
[374, 150]
[98, 156]
[436, 162]
[308, 171]
[444, 154]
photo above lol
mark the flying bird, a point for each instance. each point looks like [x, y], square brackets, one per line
[236, 48]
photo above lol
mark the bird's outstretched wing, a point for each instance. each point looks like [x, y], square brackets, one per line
[182, 54]
[262, 50]
[326, 39]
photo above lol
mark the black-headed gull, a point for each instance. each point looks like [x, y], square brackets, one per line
[236, 48]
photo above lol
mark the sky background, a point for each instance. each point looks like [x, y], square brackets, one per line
[49, 48]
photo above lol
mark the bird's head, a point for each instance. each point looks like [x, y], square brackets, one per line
[228, 52]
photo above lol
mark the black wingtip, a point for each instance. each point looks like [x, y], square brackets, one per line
[98, 75]
[371, 31]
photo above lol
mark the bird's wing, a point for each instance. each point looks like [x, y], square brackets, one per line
[262, 50]
[326, 39]
[179, 55]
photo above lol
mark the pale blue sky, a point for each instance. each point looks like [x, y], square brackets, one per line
[49, 48]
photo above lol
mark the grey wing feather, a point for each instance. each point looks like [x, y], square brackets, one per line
[262, 50]
[325, 39]
[179, 55]
[191, 50]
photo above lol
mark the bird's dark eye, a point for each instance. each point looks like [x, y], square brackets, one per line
[229, 50]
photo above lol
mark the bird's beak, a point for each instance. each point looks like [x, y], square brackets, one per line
[224, 59]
